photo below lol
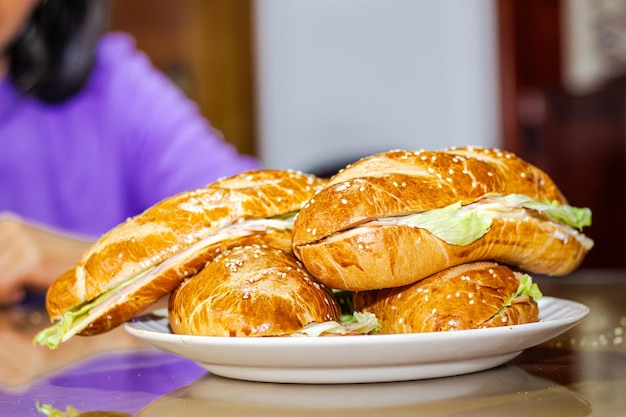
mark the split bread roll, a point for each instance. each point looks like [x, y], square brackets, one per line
[250, 291]
[394, 218]
[145, 258]
[469, 296]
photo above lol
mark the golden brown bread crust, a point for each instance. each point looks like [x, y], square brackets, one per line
[250, 291]
[463, 297]
[174, 224]
[334, 240]
[466, 171]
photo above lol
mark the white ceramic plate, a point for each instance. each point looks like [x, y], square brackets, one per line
[353, 359]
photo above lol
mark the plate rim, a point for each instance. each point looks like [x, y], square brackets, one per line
[580, 314]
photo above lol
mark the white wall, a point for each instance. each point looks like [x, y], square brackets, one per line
[345, 78]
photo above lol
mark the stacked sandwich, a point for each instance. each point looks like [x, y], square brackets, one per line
[423, 241]
[426, 240]
[199, 240]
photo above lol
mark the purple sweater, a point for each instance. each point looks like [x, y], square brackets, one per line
[127, 141]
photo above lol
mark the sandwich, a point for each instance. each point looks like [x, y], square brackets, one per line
[144, 259]
[468, 296]
[397, 217]
[253, 290]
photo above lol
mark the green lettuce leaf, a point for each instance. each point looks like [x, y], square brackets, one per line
[526, 287]
[576, 217]
[451, 224]
[364, 323]
[70, 323]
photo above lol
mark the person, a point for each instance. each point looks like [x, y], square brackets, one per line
[90, 134]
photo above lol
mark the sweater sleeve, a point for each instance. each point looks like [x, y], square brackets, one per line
[167, 145]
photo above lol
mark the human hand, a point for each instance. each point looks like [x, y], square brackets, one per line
[32, 256]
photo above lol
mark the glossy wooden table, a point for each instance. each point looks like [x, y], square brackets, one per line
[579, 373]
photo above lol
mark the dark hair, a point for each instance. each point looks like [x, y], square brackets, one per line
[54, 55]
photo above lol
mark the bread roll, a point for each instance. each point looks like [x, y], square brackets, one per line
[468, 296]
[340, 239]
[250, 291]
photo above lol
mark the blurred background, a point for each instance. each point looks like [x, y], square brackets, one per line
[315, 84]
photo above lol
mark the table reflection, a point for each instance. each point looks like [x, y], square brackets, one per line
[506, 390]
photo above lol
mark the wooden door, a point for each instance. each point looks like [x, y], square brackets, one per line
[579, 139]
